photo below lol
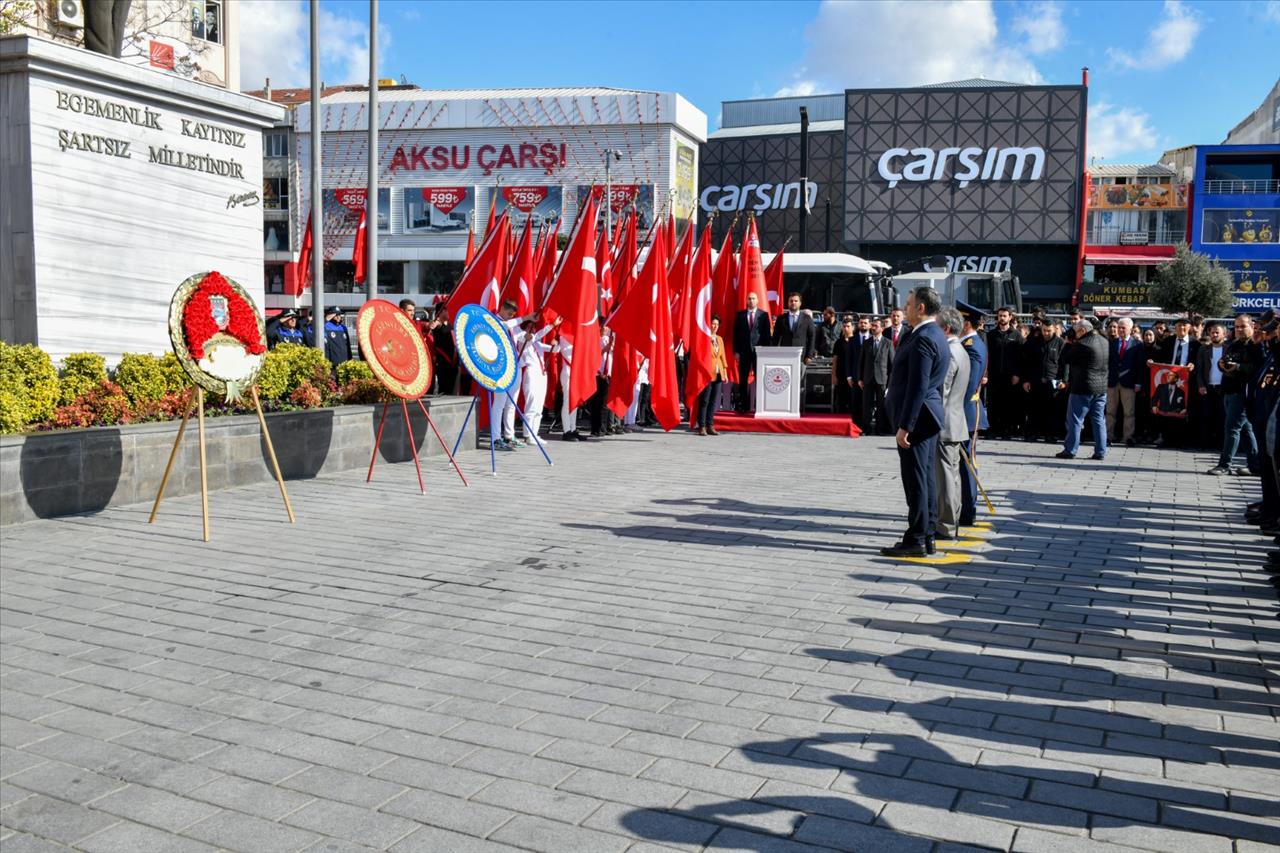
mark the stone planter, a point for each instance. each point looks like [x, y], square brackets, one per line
[43, 475]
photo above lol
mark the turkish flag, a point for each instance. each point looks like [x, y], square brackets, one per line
[481, 281]
[304, 257]
[360, 252]
[751, 270]
[624, 261]
[643, 323]
[774, 284]
[724, 302]
[574, 295]
[701, 363]
[604, 271]
[519, 286]
[546, 269]
[678, 281]
[471, 248]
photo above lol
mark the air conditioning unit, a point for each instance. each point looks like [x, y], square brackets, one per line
[69, 13]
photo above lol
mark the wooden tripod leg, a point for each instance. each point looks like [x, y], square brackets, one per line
[271, 451]
[377, 442]
[173, 455]
[204, 474]
[413, 446]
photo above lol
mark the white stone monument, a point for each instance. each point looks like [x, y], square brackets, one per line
[119, 183]
[779, 382]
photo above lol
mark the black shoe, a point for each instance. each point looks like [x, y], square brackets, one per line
[570, 436]
[930, 547]
[1062, 454]
[965, 522]
[581, 437]
[1256, 506]
[1273, 556]
[904, 550]
[1129, 442]
[1098, 457]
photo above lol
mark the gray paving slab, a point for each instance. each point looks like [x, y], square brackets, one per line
[648, 647]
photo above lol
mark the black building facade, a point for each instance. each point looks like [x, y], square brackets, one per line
[761, 175]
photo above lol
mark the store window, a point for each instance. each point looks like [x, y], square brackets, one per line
[438, 276]
[275, 236]
[275, 193]
[1240, 225]
[275, 143]
[274, 278]
[206, 20]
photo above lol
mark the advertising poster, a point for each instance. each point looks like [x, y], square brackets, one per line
[686, 187]
[542, 204]
[1169, 390]
[1137, 196]
[1241, 226]
[345, 203]
[1255, 285]
[438, 210]
[622, 197]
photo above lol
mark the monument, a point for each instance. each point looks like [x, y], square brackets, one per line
[118, 180]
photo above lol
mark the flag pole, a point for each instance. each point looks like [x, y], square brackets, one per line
[371, 194]
[317, 231]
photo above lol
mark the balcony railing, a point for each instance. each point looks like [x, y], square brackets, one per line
[1241, 187]
[1112, 236]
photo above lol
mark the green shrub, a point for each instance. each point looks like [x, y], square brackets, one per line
[352, 370]
[175, 378]
[364, 392]
[80, 372]
[141, 377]
[28, 386]
[287, 367]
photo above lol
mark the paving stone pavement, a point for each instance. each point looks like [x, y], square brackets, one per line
[663, 643]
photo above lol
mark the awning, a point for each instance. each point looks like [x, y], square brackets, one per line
[1125, 260]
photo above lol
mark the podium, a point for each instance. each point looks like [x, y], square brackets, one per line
[779, 382]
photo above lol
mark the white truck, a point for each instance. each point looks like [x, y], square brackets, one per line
[988, 291]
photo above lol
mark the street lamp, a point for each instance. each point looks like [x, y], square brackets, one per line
[610, 155]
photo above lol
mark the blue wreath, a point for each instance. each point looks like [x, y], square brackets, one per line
[473, 323]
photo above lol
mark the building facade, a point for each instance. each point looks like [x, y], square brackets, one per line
[1136, 215]
[195, 39]
[1262, 126]
[1236, 218]
[984, 173]
[447, 157]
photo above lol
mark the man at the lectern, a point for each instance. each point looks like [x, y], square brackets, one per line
[794, 329]
[750, 330]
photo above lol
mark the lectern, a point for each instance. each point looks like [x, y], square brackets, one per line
[779, 382]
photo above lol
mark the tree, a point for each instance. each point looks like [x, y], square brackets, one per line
[1192, 283]
[15, 14]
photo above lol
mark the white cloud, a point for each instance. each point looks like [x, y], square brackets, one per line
[275, 43]
[1170, 40]
[1041, 26]
[799, 89]
[894, 42]
[1271, 11]
[1115, 132]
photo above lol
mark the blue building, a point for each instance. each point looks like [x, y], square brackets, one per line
[1236, 218]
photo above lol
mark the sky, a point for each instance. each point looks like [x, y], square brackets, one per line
[1163, 73]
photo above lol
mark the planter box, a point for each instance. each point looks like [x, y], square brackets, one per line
[43, 475]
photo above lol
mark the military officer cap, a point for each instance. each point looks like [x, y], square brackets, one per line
[332, 310]
[288, 314]
[973, 315]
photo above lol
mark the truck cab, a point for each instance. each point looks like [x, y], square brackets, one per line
[845, 282]
[988, 291]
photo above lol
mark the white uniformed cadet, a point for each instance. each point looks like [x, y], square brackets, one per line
[531, 354]
[502, 411]
[568, 415]
[642, 379]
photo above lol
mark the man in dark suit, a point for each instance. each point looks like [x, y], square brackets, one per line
[975, 414]
[916, 409]
[794, 329]
[873, 377]
[750, 330]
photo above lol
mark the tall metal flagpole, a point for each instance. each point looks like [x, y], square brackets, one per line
[317, 203]
[371, 197]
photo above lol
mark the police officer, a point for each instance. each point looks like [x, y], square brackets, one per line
[975, 414]
[337, 341]
[285, 330]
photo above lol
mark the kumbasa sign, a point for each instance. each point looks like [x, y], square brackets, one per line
[998, 164]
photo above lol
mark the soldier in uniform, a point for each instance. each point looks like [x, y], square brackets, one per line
[285, 330]
[975, 413]
[337, 341]
[1261, 395]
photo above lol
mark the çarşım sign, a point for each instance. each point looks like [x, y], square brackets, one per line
[757, 197]
[993, 164]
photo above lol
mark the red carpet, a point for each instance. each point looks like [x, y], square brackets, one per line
[812, 424]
